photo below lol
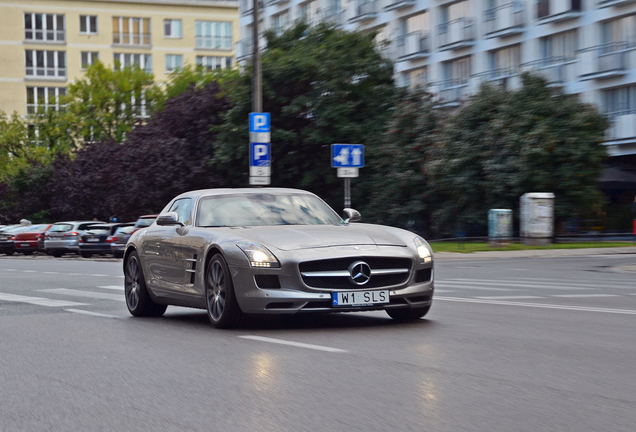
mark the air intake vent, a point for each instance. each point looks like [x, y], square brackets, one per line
[423, 275]
[267, 281]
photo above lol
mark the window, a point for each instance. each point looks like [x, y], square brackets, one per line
[183, 208]
[172, 28]
[308, 12]
[131, 31]
[44, 27]
[456, 11]
[622, 30]
[144, 61]
[89, 58]
[88, 24]
[49, 64]
[415, 78]
[620, 101]
[214, 35]
[44, 98]
[457, 71]
[560, 47]
[173, 62]
[506, 61]
[214, 62]
[413, 23]
[281, 22]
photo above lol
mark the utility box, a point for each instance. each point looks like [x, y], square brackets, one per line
[499, 226]
[537, 218]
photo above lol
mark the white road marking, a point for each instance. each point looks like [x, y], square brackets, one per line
[90, 294]
[479, 288]
[113, 287]
[290, 343]
[470, 283]
[539, 283]
[583, 295]
[38, 300]
[510, 297]
[449, 291]
[83, 312]
[539, 305]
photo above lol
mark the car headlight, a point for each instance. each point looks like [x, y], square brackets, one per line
[422, 250]
[258, 256]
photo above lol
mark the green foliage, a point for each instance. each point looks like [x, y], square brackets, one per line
[322, 86]
[106, 104]
[503, 144]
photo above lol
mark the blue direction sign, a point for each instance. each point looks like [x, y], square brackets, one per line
[260, 155]
[347, 155]
[259, 122]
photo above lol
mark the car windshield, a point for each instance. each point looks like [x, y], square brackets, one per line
[125, 230]
[97, 230]
[264, 210]
[61, 228]
[145, 222]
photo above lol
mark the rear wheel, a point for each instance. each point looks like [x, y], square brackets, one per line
[56, 254]
[9, 253]
[138, 300]
[223, 309]
[86, 255]
[408, 314]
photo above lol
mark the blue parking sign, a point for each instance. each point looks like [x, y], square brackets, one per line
[260, 155]
[347, 156]
[259, 122]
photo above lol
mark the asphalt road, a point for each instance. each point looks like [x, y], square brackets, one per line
[521, 344]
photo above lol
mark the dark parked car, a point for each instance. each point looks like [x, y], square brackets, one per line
[94, 239]
[144, 222]
[63, 237]
[7, 237]
[273, 251]
[119, 239]
[27, 241]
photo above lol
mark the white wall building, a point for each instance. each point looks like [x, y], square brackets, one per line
[587, 47]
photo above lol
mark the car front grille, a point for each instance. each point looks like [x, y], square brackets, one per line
[334, 273]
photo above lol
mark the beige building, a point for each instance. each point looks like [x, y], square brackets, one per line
[46, 44]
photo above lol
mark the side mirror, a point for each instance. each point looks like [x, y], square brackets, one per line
[167, 219]
[352, 215]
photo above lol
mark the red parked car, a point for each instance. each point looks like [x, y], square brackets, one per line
[27, 241]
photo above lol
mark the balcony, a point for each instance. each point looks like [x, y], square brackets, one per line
[604, 61]
[276, 2]
[553, 70]
[365, 11]
[399, 4]
[508, 78]
[621, 135]
[608, 3]
[452, 92]
[456, 34]
[413, 46]
[552, 11]
[245, 48]
[505, 20]
[332, 15]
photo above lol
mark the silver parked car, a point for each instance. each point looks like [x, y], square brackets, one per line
[64, 237]
[270, 250]
[119, 239]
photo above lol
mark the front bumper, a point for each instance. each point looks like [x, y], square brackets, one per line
[294, 296]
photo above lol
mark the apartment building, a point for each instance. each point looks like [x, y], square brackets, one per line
[587, 47]
[47, 44]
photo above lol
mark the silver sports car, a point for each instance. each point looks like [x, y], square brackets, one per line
[269, 250]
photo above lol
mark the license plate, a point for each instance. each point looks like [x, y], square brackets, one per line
[92, 239]
[25, 244]
[360, 298]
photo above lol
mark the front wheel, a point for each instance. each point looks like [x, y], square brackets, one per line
[138, 300]
[223, 309]
[408, 314]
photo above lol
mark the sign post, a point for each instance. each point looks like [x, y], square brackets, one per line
[260, 149]
[347, 158]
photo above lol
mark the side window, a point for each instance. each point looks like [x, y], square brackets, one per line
[183, 208]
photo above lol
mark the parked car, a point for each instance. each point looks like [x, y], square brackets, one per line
[144, 222]
[94, 239]
[26, 242]
[119, 239]
[63, 237]
[273, 251]
[7, 238]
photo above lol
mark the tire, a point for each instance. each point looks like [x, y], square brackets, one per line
[86, 255]
[223, 309]
[27, 253]
[118, 255]
[408, 314]
[56, 254]
[138, 300]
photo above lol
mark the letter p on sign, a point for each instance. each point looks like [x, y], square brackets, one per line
[259, 122]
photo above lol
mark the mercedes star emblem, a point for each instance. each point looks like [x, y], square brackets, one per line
[359, 272]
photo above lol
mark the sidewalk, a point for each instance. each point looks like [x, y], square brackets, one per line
[537, 253]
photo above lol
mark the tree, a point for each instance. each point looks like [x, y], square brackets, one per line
[503, 144]
[400, 186]
[322, 86]
[107, 103]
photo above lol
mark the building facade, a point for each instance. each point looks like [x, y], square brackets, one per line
[587, 47]
[47, 44]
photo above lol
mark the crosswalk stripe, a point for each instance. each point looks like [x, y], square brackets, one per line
[89, 294]
[583, 295]
[539, 282]
[511, 284]
[84, 312]
[520, 297]
[112, 287]
[39, 301]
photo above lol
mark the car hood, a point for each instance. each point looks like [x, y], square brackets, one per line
[295, 237]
